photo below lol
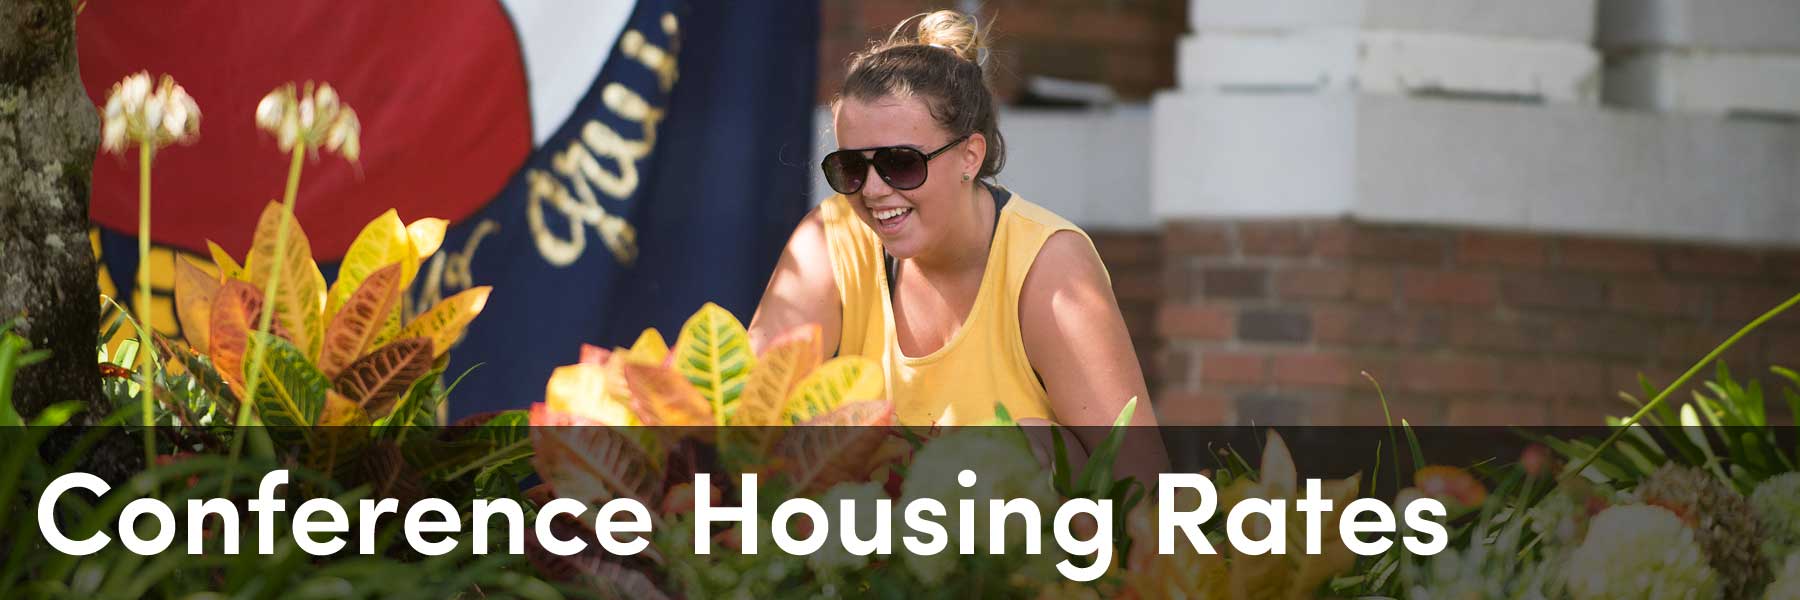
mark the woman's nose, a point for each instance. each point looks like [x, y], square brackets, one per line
[874, 185]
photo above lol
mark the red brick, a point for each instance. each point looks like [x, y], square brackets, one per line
[1234, 282]
[1783, 265]
[1274, 325]
[1274, 238]
[1312, 284]
[1498, 412]
[1195, 322]
[1445, 375]
[1314, 369]
[1553, 291]
[1331, 239]
[1195, 239]
[1740, 304]
[1138, 284]
[1175, 369]
[1659, 298]
[1191, 408]
[1554, 378]
[1592, 254]
[1502, 249]
[1367, 410]
[1407, 246]
[1232, 368]
[1586, 412]
[1374, 285]
[1446, 287]
[1380, 327]
[1120, 248]
[1113, 27]
[1181, 281]
[1506, 334]
[1713, 261]
[1601, 336]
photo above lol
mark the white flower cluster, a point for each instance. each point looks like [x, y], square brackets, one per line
[1640, 551]
[312, 119]
[1777, 506]
[1787, 582]
[152, 117]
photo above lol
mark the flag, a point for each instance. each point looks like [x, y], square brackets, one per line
[607, 166]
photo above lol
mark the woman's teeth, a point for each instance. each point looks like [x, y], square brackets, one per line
[891, 213]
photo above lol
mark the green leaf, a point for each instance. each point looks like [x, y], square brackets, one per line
[293, 390]
[1097, 473]
[713, 353]
[1412, 441]
[416, 401]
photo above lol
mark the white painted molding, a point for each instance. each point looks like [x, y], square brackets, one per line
[1389, 62]
[1558, 20]
[1744, 25]
[1557, 168]
[1708, 82]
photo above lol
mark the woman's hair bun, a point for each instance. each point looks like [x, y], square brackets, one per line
[948, 29]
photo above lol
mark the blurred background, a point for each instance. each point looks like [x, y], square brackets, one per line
[1504, 212]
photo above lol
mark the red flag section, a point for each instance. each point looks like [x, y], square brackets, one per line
[440, 89]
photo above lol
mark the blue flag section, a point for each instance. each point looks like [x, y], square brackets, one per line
[675, 182]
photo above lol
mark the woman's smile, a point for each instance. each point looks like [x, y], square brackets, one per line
[888, 221]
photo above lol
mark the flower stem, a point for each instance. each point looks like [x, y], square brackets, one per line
[151, 364]
[258, 351]
[1644, 411]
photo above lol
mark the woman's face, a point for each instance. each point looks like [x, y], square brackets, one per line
[909, 221]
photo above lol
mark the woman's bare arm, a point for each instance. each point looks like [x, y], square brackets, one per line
[1076, 340]
[801, 291]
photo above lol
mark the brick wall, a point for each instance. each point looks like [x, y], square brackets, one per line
[1128, 44]
[1274, 322]
[1134, 259]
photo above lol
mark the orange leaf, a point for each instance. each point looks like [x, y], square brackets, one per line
[375, 381]
[590, 462]
[662, 397]
[234, 312]
[194, 292]
[356, 324]
[778, 371]
[445, 322]
[835, 447]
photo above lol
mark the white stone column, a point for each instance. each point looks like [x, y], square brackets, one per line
[1732, 57]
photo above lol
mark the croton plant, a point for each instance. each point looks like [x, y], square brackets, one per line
[337, 355]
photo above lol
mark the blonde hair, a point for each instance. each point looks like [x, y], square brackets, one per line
[941, 63]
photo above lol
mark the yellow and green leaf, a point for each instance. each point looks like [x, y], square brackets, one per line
[384, 241]
[297, 299]
[375, 382]
[838, 381]
[426, 236]
[357, 323]
[228, 268]
[583, 460]
[583, 390]
[778, 372]
[194, 292]
[444, 323]
[713, 353]
[649, 349]
[292, 391]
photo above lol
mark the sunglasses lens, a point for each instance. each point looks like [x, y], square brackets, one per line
[845, 171]
[901, 168]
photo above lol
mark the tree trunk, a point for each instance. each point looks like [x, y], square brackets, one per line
[48, 132]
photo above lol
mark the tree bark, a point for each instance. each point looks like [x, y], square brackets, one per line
[48, 132]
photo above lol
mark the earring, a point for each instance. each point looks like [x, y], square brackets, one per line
[965, 177]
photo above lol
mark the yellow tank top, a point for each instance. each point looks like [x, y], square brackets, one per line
[984, 363]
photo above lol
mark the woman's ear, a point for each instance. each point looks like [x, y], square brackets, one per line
[973, 154]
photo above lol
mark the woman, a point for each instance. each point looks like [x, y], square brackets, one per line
[969, 296]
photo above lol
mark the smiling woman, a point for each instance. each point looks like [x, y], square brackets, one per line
[970, 297]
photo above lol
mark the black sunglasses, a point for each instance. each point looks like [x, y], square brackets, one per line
[901, 167]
